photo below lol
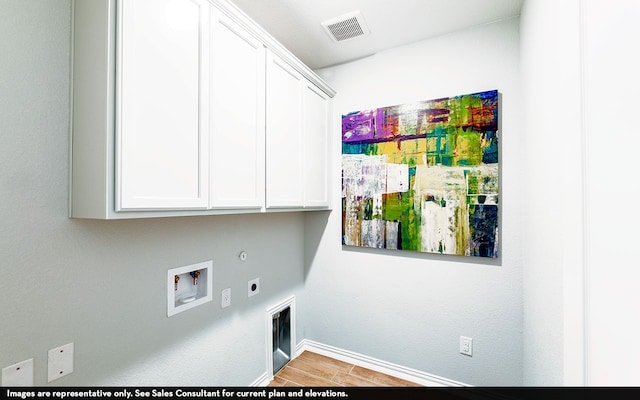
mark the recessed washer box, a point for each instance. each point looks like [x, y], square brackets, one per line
[189, 286]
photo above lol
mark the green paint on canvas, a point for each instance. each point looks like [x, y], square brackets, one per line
[468, 147]
[360, 148]
[409, 227]
[400, 207]
[472, 183]
[460, 110]
[393, 208]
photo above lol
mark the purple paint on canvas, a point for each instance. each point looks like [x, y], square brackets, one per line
[383, 129]
[358, 126]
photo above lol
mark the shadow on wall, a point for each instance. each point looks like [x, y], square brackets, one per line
[425, 256]
[315, 224]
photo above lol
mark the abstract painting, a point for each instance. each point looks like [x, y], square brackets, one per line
[423, 177]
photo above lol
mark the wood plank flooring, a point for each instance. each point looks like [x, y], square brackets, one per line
[312, 369]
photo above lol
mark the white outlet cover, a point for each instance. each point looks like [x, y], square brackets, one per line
[18, 374]
[225, 298]
[466, 346]
[60, 362]
[250, 287]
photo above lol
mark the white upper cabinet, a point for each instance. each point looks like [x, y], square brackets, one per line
[316, 146]
[187, 107]
[297, 139]
[237, 116]
[284, 135]
[162, 97]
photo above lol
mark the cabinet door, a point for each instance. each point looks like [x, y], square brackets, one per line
[237, 116]
[316, 146]
[162, 105]
[283, 135]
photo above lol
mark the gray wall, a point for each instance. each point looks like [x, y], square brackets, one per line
[411, 308]
[101, 284]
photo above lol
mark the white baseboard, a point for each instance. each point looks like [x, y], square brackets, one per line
[409, 374]
[262, 381]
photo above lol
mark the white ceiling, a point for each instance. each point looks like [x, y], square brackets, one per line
[297, 23]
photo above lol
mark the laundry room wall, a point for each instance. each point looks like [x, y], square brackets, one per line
[411, 308]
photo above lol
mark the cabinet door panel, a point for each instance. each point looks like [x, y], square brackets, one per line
[162, 121]
[283, 135]
[316, 147]
[237, 123]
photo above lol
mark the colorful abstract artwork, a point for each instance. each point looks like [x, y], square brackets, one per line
[423, 177]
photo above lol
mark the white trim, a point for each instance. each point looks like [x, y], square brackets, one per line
[241, 18]
[388, 368]
[586, 231]
[271, 311]
[262, 381]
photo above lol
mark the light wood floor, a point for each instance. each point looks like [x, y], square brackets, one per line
[312, 369]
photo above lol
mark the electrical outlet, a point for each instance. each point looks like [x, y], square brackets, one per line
[253, 287]
[60, 362]
[225, 300]
[466, 346]
[18, 374]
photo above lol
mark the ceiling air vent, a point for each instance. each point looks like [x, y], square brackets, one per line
[346, 27]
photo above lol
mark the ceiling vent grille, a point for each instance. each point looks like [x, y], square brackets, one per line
[346, 27]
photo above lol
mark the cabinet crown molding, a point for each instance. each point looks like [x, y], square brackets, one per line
[240, 17]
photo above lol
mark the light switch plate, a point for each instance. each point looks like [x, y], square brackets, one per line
[60, 362]
[18, 374]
